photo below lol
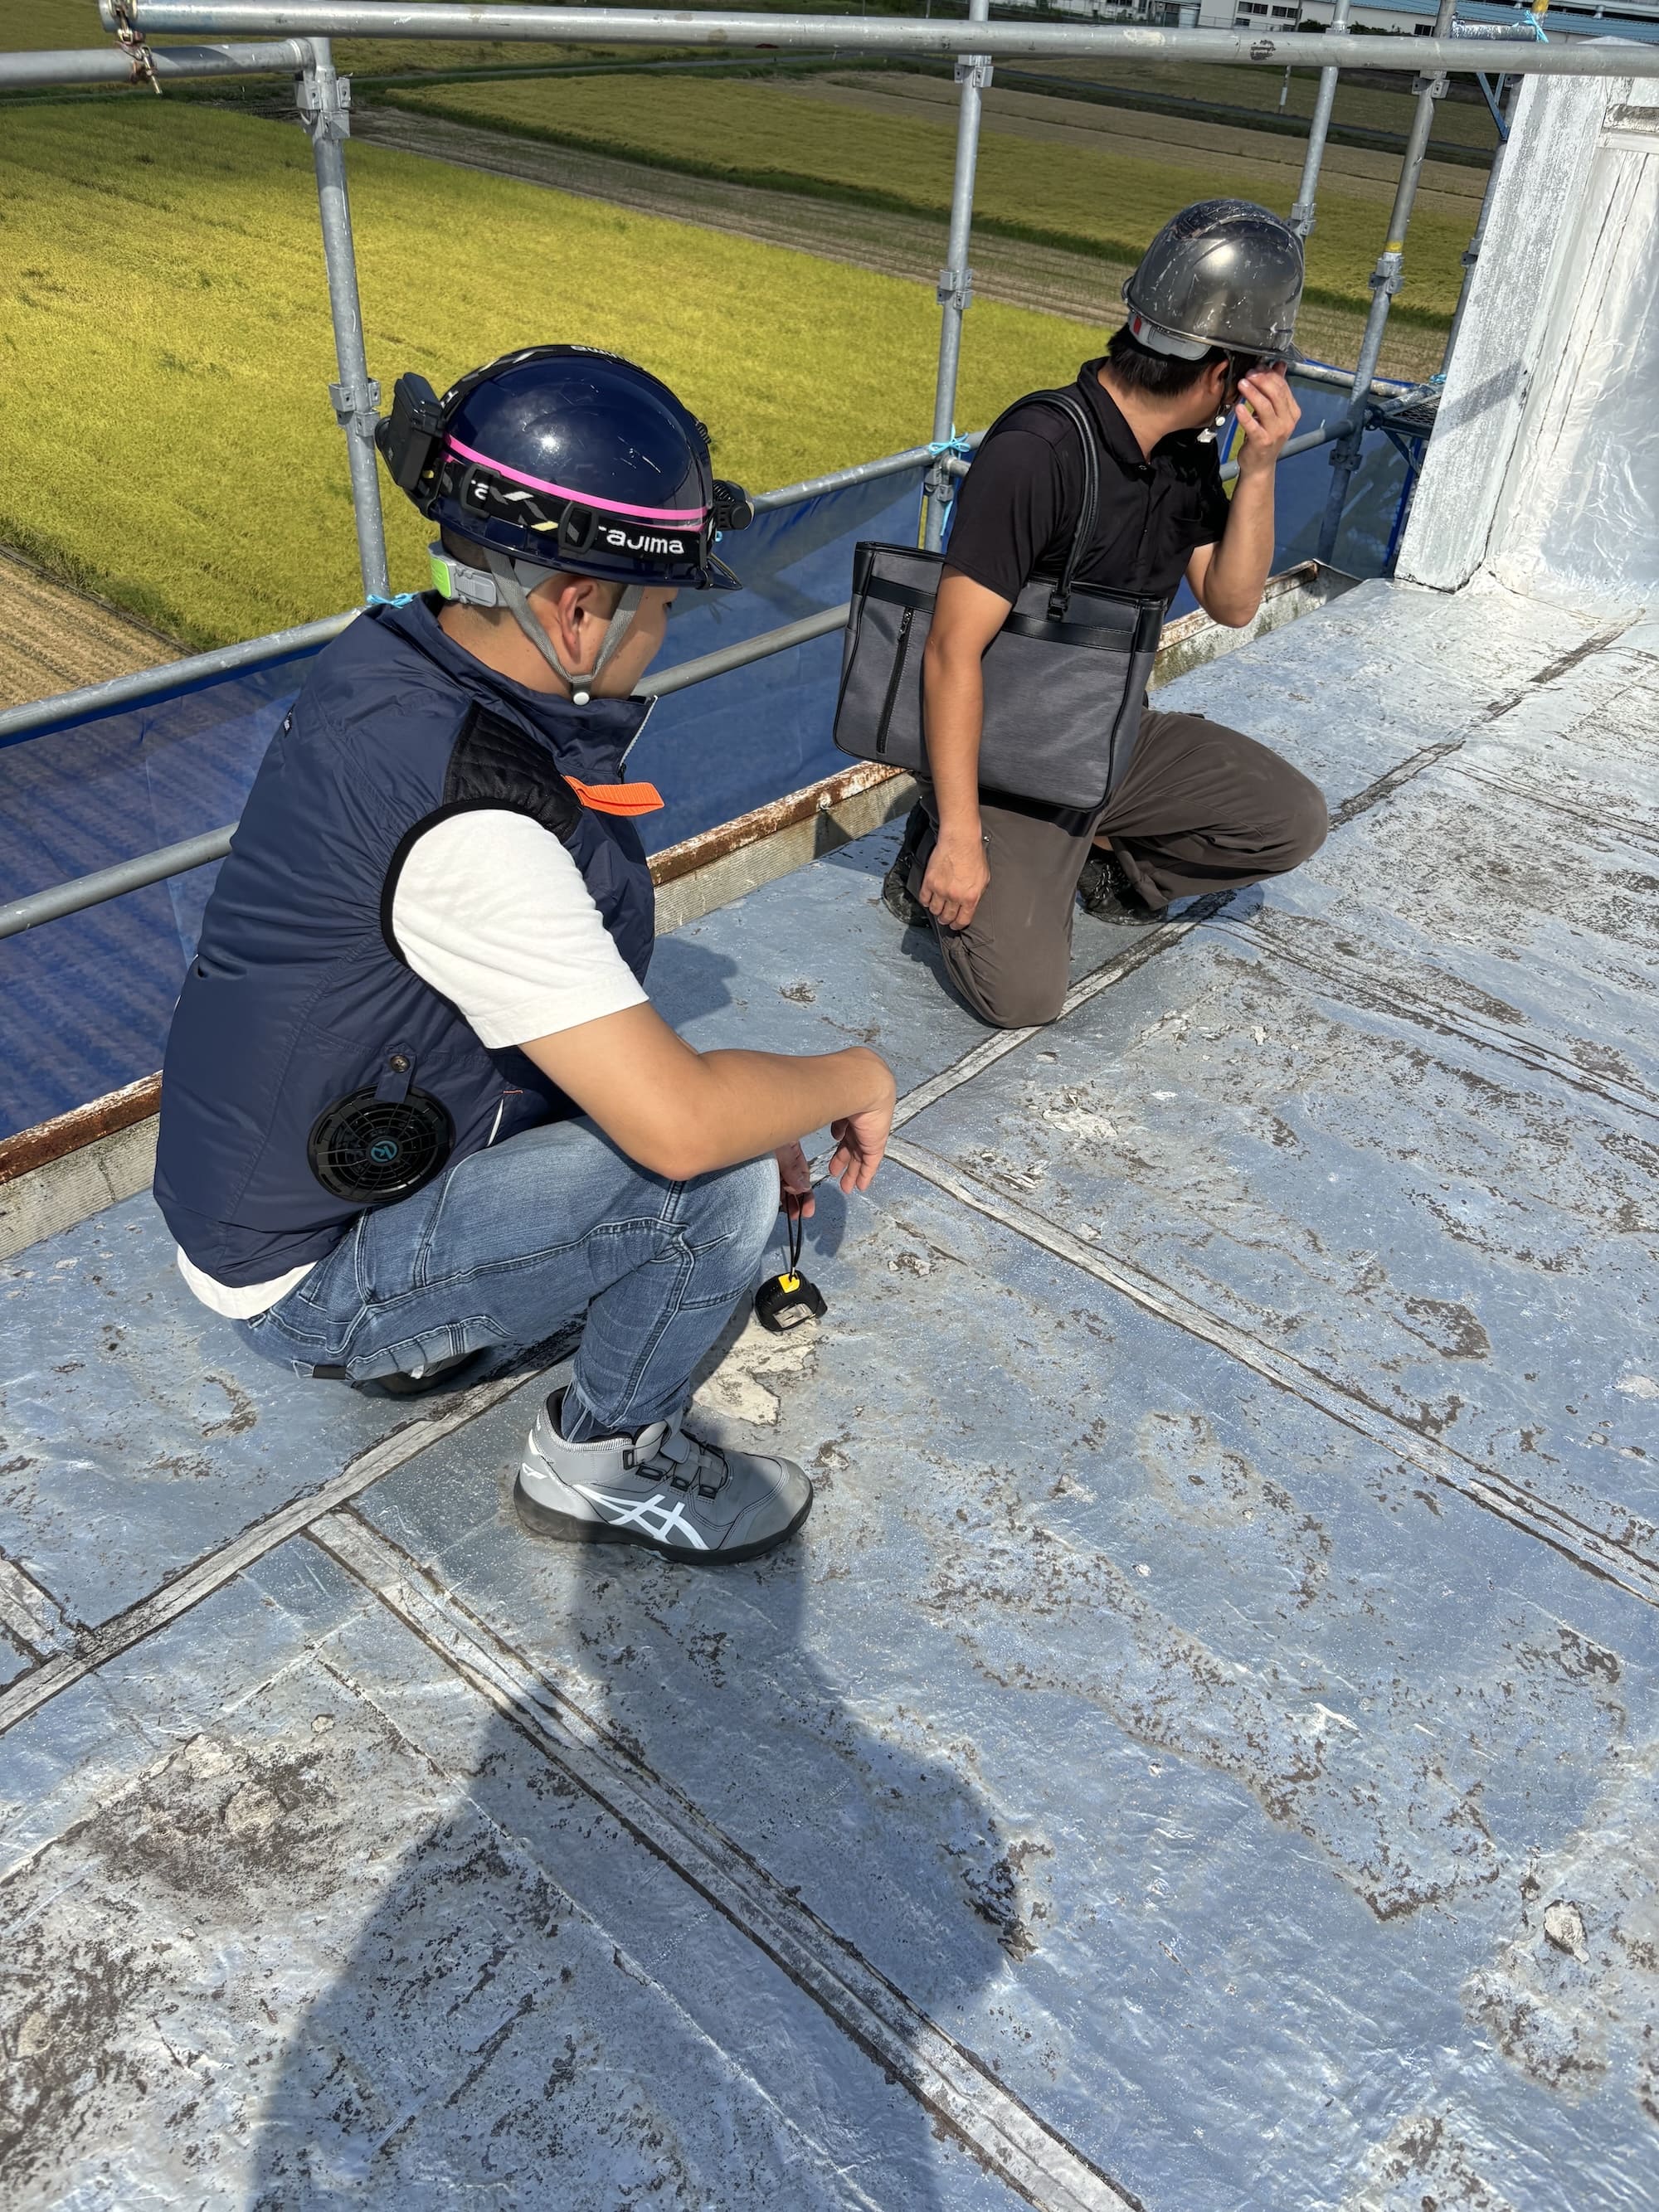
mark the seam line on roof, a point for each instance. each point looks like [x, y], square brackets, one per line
[30, 1613]
[217, 1567]
[995, 2125]
[1356, 983]
[1585, 1547]
[1636, 832]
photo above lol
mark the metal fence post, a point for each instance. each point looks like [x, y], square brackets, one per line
[1385, 282]
[956, 279]
[1302, 215]
[325, 109]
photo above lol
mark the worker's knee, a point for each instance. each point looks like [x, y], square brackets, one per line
[1303, 821]
[730, 1214]
[1015, 998]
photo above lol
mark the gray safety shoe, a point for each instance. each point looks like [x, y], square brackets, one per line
[664, 1489]
[1106, 893]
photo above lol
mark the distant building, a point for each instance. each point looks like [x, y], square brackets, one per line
[1579, 19]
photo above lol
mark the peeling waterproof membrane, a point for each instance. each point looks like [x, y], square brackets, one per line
[91, 996]
[1203, 1753]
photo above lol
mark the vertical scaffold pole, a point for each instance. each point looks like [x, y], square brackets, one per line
[325, 109]
[1302, 215]
[956, 279]
[1385, 282]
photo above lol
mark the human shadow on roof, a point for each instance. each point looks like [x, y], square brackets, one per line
[540, 2012]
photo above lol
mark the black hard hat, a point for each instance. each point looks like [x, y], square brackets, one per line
[569, 458]
[1221, 273]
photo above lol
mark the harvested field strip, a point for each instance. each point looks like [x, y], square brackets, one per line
[1052, 195]
[167, 441]
[52, 639]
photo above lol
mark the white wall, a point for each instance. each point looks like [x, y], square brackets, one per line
[1544, 466]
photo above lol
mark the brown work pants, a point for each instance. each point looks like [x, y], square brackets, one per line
[1202, 808]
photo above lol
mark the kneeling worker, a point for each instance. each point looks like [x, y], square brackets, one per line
[415, 1102]
[1200, 807]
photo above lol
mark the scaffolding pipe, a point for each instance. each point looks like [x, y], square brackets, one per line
[854, 35]
[890, 464]
[1386, 279]
[1303, 213]
[146, 868]
[956, 279]
[171, 65]
[90, 700]
[326, 110]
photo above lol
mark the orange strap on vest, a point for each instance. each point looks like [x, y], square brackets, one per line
[618, 797]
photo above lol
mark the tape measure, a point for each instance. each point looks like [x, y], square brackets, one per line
[789, 1301]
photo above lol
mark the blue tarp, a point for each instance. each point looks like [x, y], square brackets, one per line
[88, 998]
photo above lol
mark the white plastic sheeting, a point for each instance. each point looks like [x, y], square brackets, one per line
[1580, 523]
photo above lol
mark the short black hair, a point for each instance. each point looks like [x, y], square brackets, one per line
[1162, 375]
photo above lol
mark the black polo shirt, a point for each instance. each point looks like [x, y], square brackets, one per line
[1019, 504]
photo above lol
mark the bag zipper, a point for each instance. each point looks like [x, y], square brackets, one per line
[900, 649]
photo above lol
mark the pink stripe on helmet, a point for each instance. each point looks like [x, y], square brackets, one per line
[692, 517]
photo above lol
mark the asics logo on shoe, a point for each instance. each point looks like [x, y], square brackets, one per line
[669, 1521]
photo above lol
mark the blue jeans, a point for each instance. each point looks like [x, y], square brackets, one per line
[510, 1245]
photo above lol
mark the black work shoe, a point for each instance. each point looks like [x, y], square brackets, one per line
[896, 893]
[440, 1374]
[1108, 894]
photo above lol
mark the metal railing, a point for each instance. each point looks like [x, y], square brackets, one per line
[323, 103]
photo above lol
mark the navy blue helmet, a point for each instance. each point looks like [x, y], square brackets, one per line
[570, 459]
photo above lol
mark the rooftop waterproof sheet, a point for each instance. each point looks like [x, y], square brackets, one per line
[1202, 1752]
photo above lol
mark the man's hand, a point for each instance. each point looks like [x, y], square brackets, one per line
[795, 1183]
[1268, 416]
[860, 1141]
[958, 873]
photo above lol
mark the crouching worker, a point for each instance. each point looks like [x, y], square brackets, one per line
[415, 1101]
[1199, 807]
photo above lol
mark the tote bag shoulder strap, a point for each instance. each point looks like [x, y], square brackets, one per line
[1066, 403]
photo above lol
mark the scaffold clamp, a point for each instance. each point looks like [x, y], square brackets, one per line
[956, 289]
[975, 70]
[325, 110]
[359, 409]
[131, 43]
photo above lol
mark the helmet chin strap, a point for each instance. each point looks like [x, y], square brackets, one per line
[517, 600]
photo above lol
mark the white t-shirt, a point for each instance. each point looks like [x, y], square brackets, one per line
[491, 910]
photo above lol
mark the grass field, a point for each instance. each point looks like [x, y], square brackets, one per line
[1060, 195]
[167, 438]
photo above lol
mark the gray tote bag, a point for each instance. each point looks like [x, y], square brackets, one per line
[1064, 678]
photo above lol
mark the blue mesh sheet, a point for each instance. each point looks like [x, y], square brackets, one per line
[88, 998]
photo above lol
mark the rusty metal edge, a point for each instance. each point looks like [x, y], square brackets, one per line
[82, 1125]
[118, 1109]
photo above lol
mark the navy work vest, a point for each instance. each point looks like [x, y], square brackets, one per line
[298, 997]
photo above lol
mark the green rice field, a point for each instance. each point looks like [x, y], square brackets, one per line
[165, 349]
[1051, 194]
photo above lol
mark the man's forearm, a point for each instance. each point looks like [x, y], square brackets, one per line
[953, 705]
[743, 1105]
[1232, 590]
